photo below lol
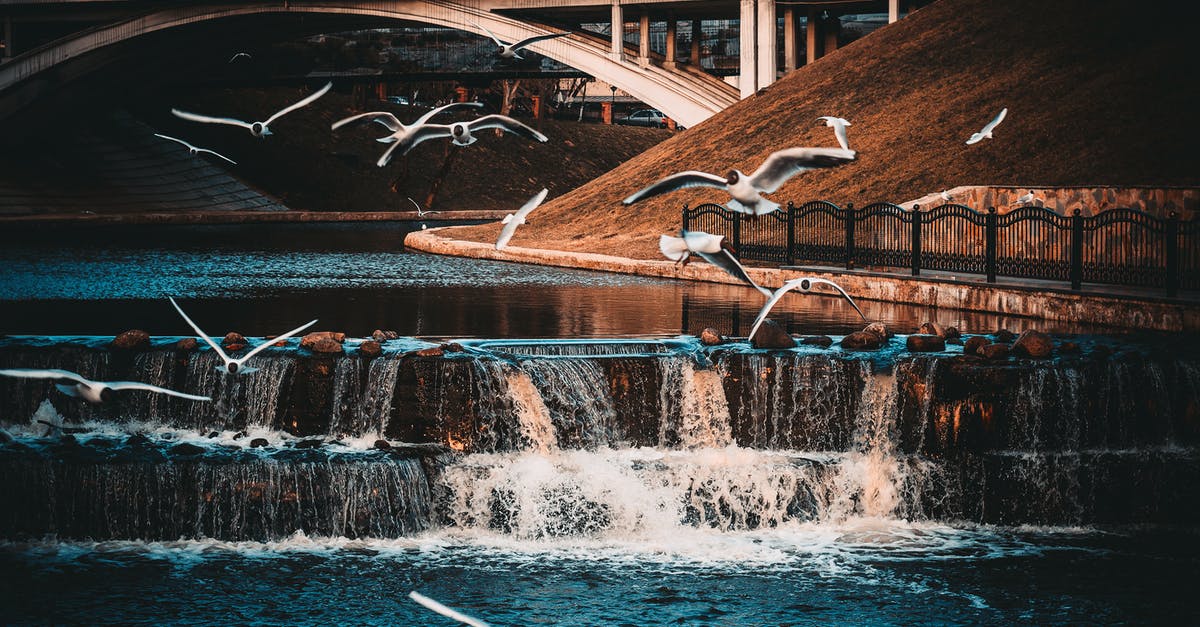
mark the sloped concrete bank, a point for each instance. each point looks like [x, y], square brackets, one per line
[1033, 301]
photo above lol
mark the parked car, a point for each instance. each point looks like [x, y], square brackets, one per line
[644, 117]
[399, 100]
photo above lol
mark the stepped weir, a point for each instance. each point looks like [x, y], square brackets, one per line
[550, 438]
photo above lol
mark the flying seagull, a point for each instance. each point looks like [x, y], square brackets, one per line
[445, 611]
[421, 213]
[400, 132]
[461, 133]
[257, 129]
[804, 285]
[839, 129]
[712, 248]
[746, 190]
[234, 366]
[238, 56]
[510, 52]
[513, 220]
[986, 133]
[76, 386]
[193, 149]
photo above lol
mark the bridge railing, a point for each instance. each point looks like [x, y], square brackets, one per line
[1115, 247]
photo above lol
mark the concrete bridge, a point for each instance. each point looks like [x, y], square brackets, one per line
[85, 35]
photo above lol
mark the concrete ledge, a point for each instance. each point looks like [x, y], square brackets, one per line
[240, 217]
[1133, 312]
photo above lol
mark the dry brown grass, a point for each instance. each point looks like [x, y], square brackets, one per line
[1098, 93]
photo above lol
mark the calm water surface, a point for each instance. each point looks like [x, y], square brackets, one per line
[264, 279]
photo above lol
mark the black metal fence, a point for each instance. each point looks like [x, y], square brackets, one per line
[1118, 246]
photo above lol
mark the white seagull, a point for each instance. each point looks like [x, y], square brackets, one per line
[445, 611]
[238, 56]
[257, 129]
[235, 366]
[986, 133]
[513, 220]
[713, 248]
[510, 51]
[946, 195]
[839, 129]
[461, 133]
[400, 131]
[194, 149]
[1024, 200]
[804, 284]
[76, 386]
[421, 213]
[746, 190]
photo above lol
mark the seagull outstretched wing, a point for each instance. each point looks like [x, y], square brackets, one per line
[135, 385]
[305, 102]
[805, 284]
[507, 124]
[679, 180]
[784, 164]
[208, 119]
[207, 340]
[518, 218]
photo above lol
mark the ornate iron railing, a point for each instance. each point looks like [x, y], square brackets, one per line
[1118, 246]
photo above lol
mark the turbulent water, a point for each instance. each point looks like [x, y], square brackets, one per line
[628, 485]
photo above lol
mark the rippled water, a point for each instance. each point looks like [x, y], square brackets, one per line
[264, 279]
[866, 572]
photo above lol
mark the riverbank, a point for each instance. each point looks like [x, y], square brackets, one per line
[1121, 308]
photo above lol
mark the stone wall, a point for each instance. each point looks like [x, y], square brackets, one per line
[1157, 201]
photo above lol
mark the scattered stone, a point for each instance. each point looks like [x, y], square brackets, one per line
[925, 343]
[325, 345]
[931, 328]
[383, 445]
[824, 341]
[862, 341]
[378, 336]
[391, 335]
[995, 351]
[370, 348]
[239, 435]
[952, 333]
[711, 337]
[310, 443]
[1005, 336]
[133, 339]
[1034, 344]
[1069, 348]
[878, 329]
[453, 347]
[186, 448]
[258, 443]
[434, 351]
[137, 439]
[214, 434]
[234, 341]
[974, 343]
[771, 335]
[187, 345]
[311, 339]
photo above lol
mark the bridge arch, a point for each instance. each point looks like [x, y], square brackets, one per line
[688, 97]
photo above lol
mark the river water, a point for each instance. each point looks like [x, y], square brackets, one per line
[264, 279]
[553, 532]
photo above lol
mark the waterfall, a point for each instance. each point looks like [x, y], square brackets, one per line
[575, 393]
[695, 413]
[252, 499]
[363, 408]
[537, 426]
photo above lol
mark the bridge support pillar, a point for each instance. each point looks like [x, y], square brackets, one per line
[893, 10]
[644, 40]
[618, 32]
[813, 37]
[669, 63]
[765, 55]
[791, 46]
[747, 65]
[697, 33]
[832, 28]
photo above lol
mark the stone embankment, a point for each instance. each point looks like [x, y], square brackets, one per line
[1032, 300]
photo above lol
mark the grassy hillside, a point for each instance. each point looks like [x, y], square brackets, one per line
[1098, 92]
